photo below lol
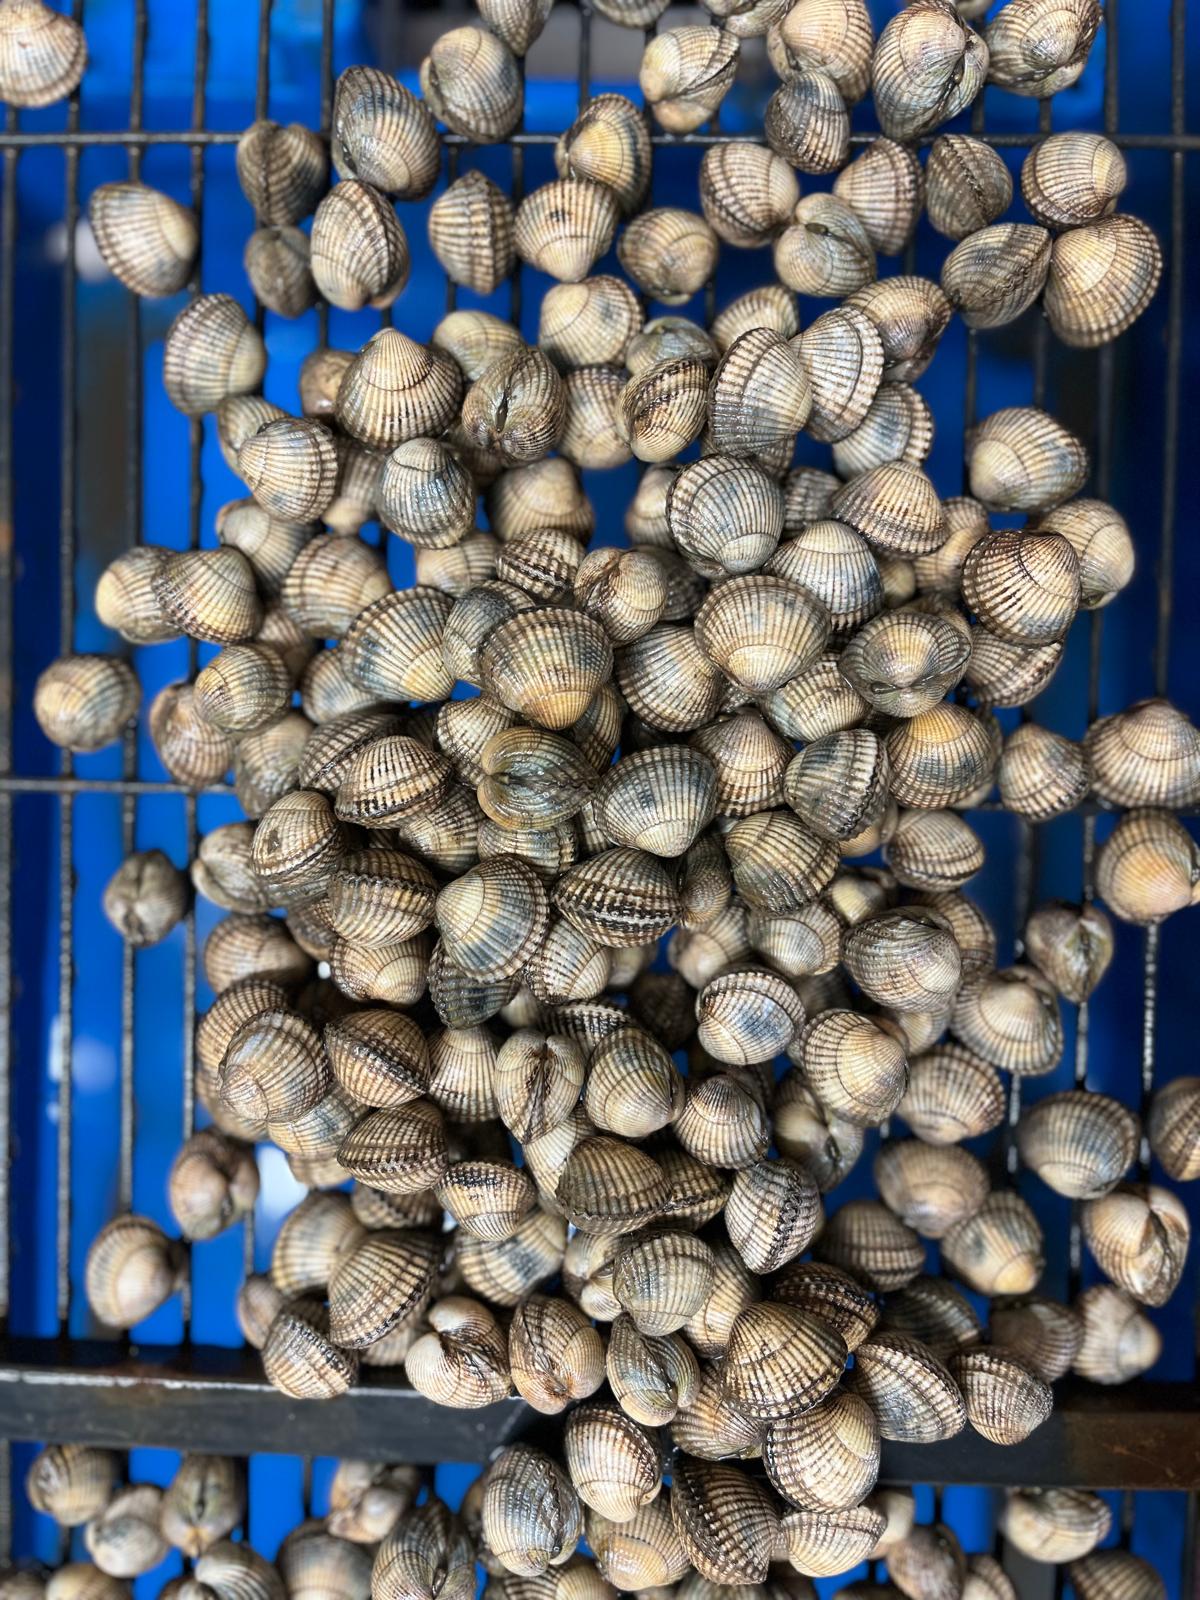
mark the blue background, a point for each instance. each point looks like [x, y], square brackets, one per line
[103, 524]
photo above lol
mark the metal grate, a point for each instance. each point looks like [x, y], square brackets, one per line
[203, 1396]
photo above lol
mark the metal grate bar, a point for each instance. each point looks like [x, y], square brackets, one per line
[196, 503]
[133, 517]
[1183, 143]
[8, 255]
[68, 531]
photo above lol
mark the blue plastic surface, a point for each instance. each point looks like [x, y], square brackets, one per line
[1004, 378]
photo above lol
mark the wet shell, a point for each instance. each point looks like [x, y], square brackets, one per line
[125, 599]
[760, 396]
[71, 1482]
[546, 665]
[213, 1181]
[473, 340]
[608, 143]
[359, 252]
[504, 1271]
[838, 784]
[779, 1361]
[669, 253]
[778, 864]
[761, 630]
[299, 1357]
[686, 73]
[822, 1141]
[832, 36]
[872, 1245]
[532, 1518]
[132, 1268]
[1101, 540]
[768, 306]
[328, 584]
[1072, 945]
[613, 1462]
[1070, 179]
[633, 1088]
[1011, 1018]
[227, 1568]
[808, 123]
[1119, 1341]
[383, 134]
[999, 1250]
[1106, 1574]
[651, 1377]
[147, 240]
[823, 1542]
[1148, 867]
[725, 1520]
[906, 959]
[928, 65]
[462, 1361]
[1146, 755]
[842, 354]
[895, 508]
[1172, 1125]
[1005, 1399]
[471, 231]
[641, 1553]
[997, 273]
[1042, 774]
[726, 515]
[1139, 1235]
[395, 390]
[967, 185]
[1024, 587]
[426, 494]
[379, 1057]
[933, 851]
[1047, 1336]
[815, 702]
[211, 351]
[145, 897]
[565, 226]
[951, 1095]
[898, 426]
[400, 1150]
[124, 1540]
[670, 338]
[884, 186]
[825, 250]
[940, 572]
[204, 1502]
[1038, 47]
[930, 1187]
[276, 262]
[1021, 459]
[384, 1281]
[910, 315]
[826, 1458]
[934, 1311]
[772, 1214]
[392, 778]
[517, 409]
[472, 83]
[913, 1396]
[581, 324]
[1055, 1524]
[282, 170]
[928, 1562]
[42, 55]
[941, 756]
[555, 1354]
[747, 193]
[663, 409]
[608, 1187]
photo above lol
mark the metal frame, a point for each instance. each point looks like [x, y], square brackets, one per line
[1146, 1436]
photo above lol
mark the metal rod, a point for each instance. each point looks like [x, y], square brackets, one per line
[1174, 363]
[196, 506]
[8, 258]
[67, 534]
[1183, 143]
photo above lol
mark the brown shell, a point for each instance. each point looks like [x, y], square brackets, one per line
[1070, 179]
[914, 1397]
[359, 254]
